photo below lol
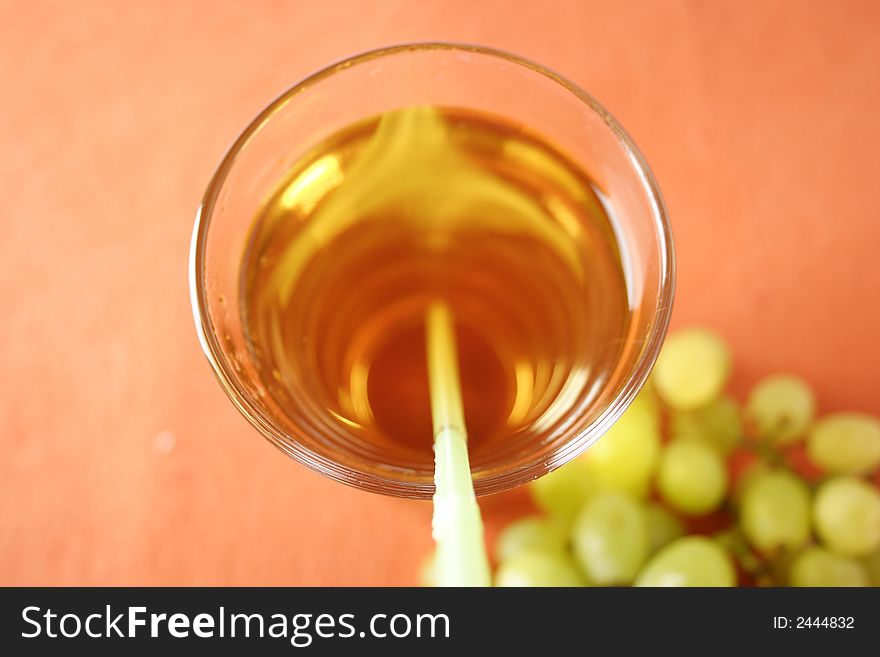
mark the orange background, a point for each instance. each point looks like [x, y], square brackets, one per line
[122, 462]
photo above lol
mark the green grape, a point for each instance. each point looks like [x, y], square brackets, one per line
[428, 570]
[529, 534]
[775, 511]
[717, 424]
[538, 568]
[846, 514]
[625, 457]
[816, 566]
[845, 443]
[610, 538]
[871, 564]
[663, 527]
[692, 369]
[692, 477]
[689, 561]
[753, 472]
[781, 408]
[563, 492]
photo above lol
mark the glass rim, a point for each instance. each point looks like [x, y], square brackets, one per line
[494, 483]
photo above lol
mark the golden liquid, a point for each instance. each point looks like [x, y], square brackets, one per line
[420, 204]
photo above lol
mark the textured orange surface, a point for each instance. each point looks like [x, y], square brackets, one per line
[123, 462]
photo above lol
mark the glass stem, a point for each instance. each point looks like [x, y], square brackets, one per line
[457, 524]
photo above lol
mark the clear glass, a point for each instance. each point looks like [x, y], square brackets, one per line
[440, 74]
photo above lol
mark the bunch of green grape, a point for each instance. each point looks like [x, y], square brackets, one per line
[689, 488]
